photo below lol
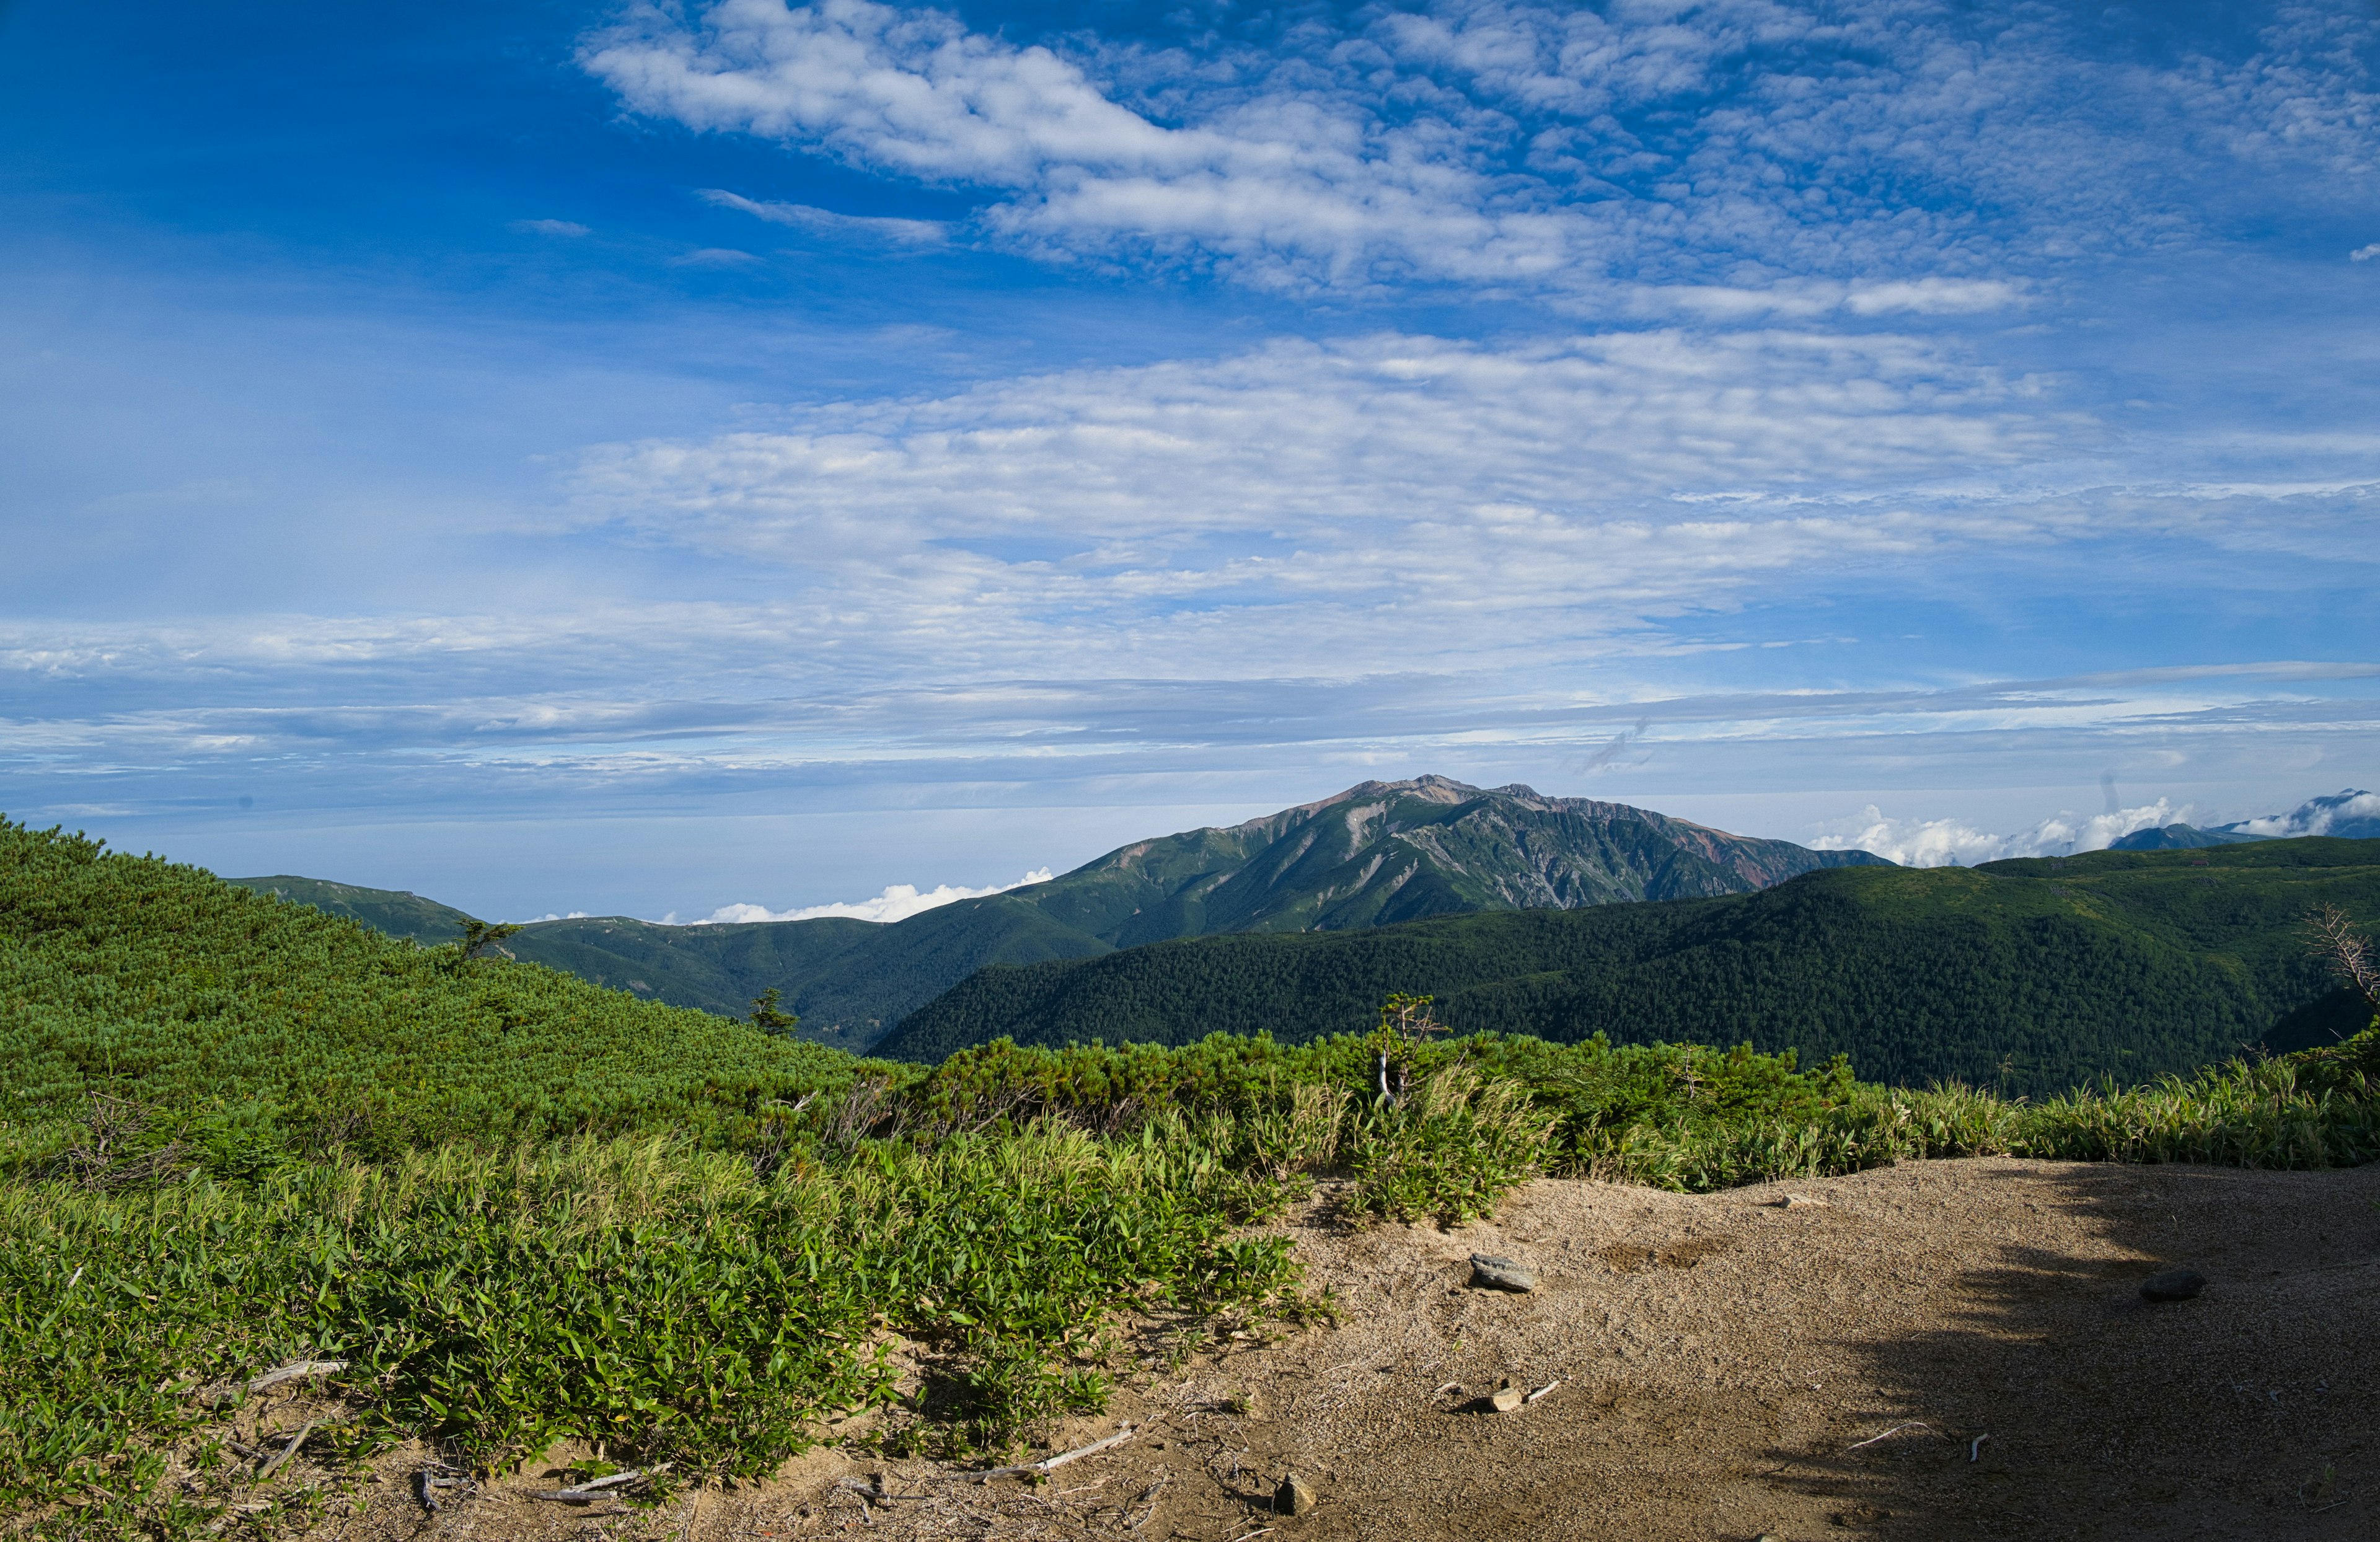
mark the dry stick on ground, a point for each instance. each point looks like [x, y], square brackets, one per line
[1147, 1497]
[594, 1483]
[593, 1489]
[286, 1451]
[1913, 1424]
[295, 1369]
[289, 1372]
[1053, 1462]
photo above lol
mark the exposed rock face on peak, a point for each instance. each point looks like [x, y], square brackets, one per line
[1394, 851]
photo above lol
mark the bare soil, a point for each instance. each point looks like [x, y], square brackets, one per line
[1940, 1350]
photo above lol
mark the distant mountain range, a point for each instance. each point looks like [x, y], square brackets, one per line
[1376, 855]
[2029, 975]
[2353, 815]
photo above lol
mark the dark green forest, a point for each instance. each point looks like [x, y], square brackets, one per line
[2024, 977]
[1378, 853]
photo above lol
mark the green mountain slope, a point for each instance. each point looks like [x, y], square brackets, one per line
[277, 1023]
[2180, 837]
[393, 911]
[2027, 976]
[848, 980]
[1377, 854]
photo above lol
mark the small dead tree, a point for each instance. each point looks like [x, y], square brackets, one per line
[2333, 938]
[1407, 1023]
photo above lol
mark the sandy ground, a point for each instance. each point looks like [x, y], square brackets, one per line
[1943, 1350]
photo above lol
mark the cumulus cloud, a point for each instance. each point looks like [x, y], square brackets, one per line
[1531, 147]
[915, 233]
[2320, 816]
[2365, 254]
[897, 903]
[1951, 842]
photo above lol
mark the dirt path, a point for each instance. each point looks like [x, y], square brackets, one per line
[1720, 1360]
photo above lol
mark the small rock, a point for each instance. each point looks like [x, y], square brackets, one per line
[2173, 1284]
[1796, 1202]
[1490, 1272]
[1507, 1397]
[1294, 1497]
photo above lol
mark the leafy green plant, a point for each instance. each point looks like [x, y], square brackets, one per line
[1453, 1149]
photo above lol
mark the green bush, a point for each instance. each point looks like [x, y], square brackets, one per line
[662, 1300]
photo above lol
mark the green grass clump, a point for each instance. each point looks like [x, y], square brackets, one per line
[667, 1303]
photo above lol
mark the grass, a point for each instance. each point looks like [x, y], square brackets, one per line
[659, 1301]
[236, 1133]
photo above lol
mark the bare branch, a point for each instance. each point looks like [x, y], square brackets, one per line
[2334, 938]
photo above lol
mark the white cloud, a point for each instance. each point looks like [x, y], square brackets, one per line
[551, 227]
[2365, 254]
[1737, 144]
[916, 233]
[716, 256]
[2317, 817]
[1943, 842]
[897, 903]
[1285, 184]
[1807, 299]
[1556, 489]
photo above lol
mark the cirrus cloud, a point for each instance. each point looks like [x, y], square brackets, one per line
[1915, 154]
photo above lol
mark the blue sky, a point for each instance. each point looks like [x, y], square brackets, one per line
[583, 457]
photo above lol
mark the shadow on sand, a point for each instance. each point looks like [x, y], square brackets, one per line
[2059, 1403]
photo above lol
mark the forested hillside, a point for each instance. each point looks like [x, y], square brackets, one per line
[849, 980]
[2022, 977]
[1379, 851]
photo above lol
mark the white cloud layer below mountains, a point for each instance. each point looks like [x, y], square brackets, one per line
[1944, 842]
[897, 903]
[2313, 818]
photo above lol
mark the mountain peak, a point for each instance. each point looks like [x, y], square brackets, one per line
[1387, 851]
